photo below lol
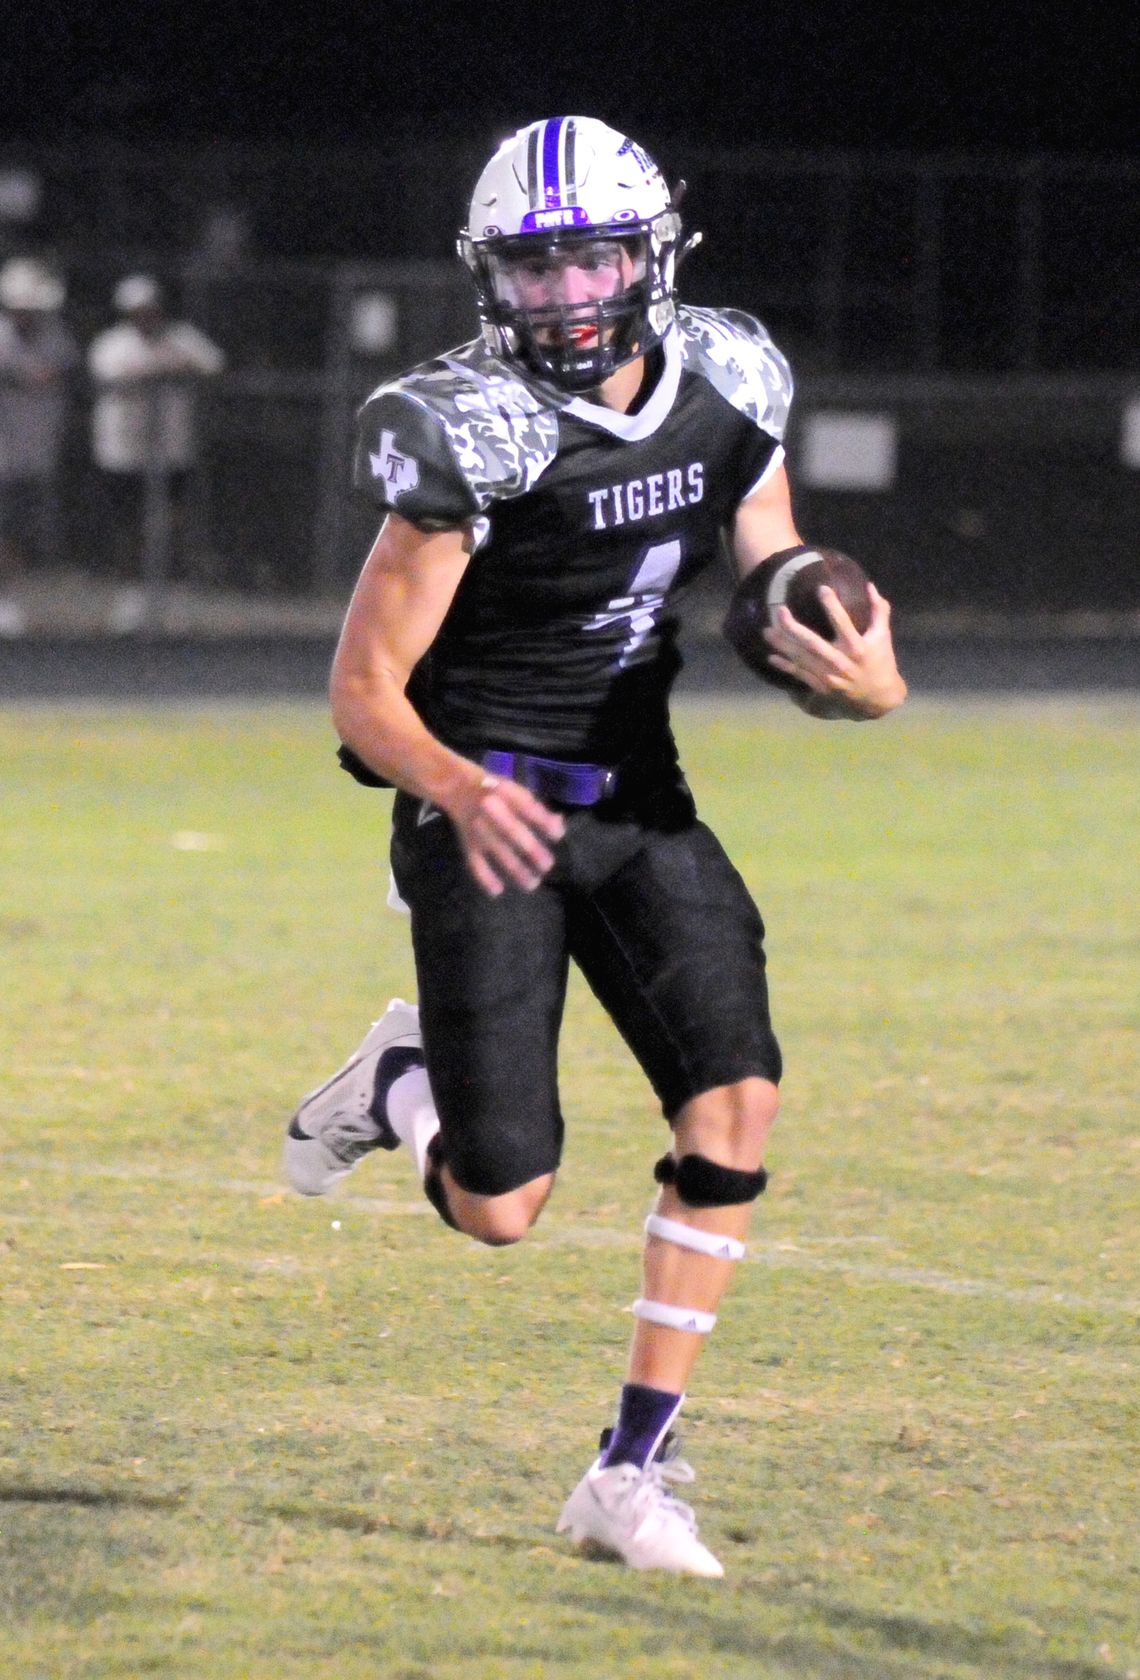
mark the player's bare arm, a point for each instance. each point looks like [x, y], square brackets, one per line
[857, 676]
[405, 589]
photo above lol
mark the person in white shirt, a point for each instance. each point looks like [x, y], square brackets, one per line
[37, 358]
[146, 369]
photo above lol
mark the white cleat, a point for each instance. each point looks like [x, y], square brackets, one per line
[345, 1117]
[631, 1514]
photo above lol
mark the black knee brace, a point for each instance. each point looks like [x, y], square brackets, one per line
[702, 1183]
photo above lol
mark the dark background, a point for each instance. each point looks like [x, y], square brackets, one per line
[776, 73]
[352, 132]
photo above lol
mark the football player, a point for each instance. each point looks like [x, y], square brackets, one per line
[549, 490]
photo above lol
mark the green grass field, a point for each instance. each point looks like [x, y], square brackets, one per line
[248, 1437]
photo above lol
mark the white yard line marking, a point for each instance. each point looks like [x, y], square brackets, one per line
[796, 1257]
[554, 1234]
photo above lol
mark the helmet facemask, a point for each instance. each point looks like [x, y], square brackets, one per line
[576, 304]
[576, 343]
[549, 212]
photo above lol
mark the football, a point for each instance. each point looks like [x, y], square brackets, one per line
[793, 579]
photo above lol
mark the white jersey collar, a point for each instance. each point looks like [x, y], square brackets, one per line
[631, 428]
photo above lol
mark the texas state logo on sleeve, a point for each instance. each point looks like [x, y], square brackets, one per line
[395, 468]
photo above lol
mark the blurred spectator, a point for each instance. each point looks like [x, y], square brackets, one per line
[37, 357]
[21, 200]
[144, 435]
[223, 244]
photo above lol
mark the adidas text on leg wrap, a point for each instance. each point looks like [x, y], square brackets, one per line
[674, 1318]
[702, 1183]
[691, 1236]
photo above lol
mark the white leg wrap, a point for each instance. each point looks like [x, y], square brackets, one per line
[675, 1318]
[688, 1236]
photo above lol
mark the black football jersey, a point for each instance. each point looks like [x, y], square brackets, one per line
[561, 639]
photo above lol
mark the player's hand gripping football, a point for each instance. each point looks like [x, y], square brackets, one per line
[858, 671]
[504, 832]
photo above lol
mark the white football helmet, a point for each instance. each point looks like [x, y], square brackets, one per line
[572, 193]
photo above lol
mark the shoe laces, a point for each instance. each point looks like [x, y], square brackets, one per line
[350, 1135]
[653, 1490]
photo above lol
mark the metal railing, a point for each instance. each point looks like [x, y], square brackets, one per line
[1013, 495]
[990, 307]
[913, 262]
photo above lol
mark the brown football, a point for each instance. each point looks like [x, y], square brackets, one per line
[793, 580]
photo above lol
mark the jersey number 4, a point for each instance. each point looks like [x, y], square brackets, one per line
[640, 608]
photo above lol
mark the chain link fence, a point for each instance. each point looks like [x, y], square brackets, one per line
[857, 261]
[978, 317]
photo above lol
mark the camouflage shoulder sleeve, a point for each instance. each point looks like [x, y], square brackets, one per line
[444, 443]
[736, 355]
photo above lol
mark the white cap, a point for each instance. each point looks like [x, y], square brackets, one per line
[137, 291]
[27, 284]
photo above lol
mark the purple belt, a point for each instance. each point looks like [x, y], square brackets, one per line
[553, 778]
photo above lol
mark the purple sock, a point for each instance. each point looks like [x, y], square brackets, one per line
[643, 1419]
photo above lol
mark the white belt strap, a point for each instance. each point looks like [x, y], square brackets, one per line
[689, 1236]
[675, 1318]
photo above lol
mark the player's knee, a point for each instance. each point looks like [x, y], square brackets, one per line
[500, 1236]
[718, 1146]
[499, 1221]
[500, 1227]
[729, 1125]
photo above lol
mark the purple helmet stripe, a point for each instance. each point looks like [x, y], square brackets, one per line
[552, 134]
